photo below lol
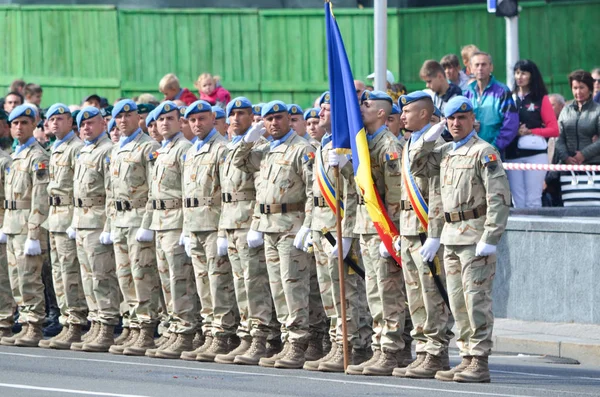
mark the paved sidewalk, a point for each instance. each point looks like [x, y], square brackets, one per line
[580, 342]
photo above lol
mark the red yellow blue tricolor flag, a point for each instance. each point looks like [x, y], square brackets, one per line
[349, 133]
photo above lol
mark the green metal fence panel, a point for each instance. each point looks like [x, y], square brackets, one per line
[73, 51]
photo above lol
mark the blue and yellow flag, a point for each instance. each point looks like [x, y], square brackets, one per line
[348, 132]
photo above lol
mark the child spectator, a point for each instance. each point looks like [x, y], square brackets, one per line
[211, 91]
[33, 94]
[169, 86]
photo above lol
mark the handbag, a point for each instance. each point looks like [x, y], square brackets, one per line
[532, 142]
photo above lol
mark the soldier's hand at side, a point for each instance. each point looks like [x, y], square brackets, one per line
[222, 246]
[187, 243]
[346, 245]
[429, 249]
[32, 247]
[144, 235]
[254, 238]
[71, 233]
[383, 251]
[3, 238]
[308, 243]
[106, 238]
[182, 239]
[255, 132]
[484, 249]
[300, 237]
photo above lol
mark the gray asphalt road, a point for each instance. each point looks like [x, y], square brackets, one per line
[40, 372]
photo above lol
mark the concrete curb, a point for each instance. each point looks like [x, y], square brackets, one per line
[585, 353]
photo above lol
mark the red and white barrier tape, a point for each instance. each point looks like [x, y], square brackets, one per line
[549, 167]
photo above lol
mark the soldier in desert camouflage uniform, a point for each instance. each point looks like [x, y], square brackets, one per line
[26, 208]
[7, 300]
[285, 206]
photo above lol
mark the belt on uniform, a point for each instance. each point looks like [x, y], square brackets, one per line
[280, 208]
[128, 205]
[89, 202]
[465, 215]
[17, 204]
[406, 205]
[193, 202]
[319, 202]
[240, 196]
[58, 201]
[166, 204]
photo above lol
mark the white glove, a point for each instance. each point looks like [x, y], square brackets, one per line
[187, 243]
[435, 132]
[429, 249]
[221, 246]
[484, 249]
[144, 235]
[106, 238]
[71, 233]
[339, 160]
[3, 238]
[346, 244]
[383, 252]
[254, 239]
[308, 242]
[32, 247]
[300, 237]
[398, 244]
[182, 239]
[255, 132]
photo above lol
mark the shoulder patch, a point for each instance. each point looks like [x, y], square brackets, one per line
[40, 167]
[392, 156]
[490, 158]
[153, 156]
[107, 160]
[310, 156]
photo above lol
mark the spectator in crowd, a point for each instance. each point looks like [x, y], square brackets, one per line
[73, 108]
[579, 123]
[170, 87]
[143, 110]
[558, 103]
[438, 87]
[537, 123]
[33, 94]
[17, 86]
[12, 100]
[596, 77]
[494, 107]
[147, 99]
[389, 76]
[91, 100]
[453, 72]
[211, 91]
[467, 54]
[360, 88]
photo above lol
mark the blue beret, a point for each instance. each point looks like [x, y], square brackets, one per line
[325, 98]
[295, 109]
[111, 125]
[219, 112]
[257, 108]
[238, 103]
[150, 118]
[395, 109]
[182, 110]
[125, 105]
[437, 112]
[165, 107]
[57, 108]
[458, 104]
[197, 107]
[412, 97]
[375, 96]
[273, 107]
[312, 113]
[86, 113]
[23, 110]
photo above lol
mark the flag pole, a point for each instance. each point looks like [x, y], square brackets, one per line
[341, 266]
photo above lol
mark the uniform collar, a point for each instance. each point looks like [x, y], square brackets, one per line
[202, 142]
[462, 142]
[372, 136]
[414, 136]
[59, 142]
[277, 142]
[125, 140]
[326, 139]
[24, 146]
[175, 137]
[236, 138]
[95, 140]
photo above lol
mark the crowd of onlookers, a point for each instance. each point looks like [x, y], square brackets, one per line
[525, 122]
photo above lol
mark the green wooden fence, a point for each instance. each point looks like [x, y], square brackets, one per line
[73, 51]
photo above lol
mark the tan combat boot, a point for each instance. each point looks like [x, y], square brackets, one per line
[182, 344]
[103, 341]
[477, 372]
[133, 336]
[124, 336]
[428, 368]
[359, 368]
[269, 361]
[384, 367]
[45, 343]
[314, 351]
[257, 350]
[336, 362]
[401, 372]
[228, 358]
[294, 359]
[5, 333]
[72, 336]
[191, 356]
[164, 338]
[165, 344]
[32, 338]
[314, 365]
[10, 340]
[274, 346]
[219, 345]
[89, 336]
[448, 376]
[144, 342]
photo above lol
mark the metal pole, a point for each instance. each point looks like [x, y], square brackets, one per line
[341, 265]
[512, 48]
[380, 15]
